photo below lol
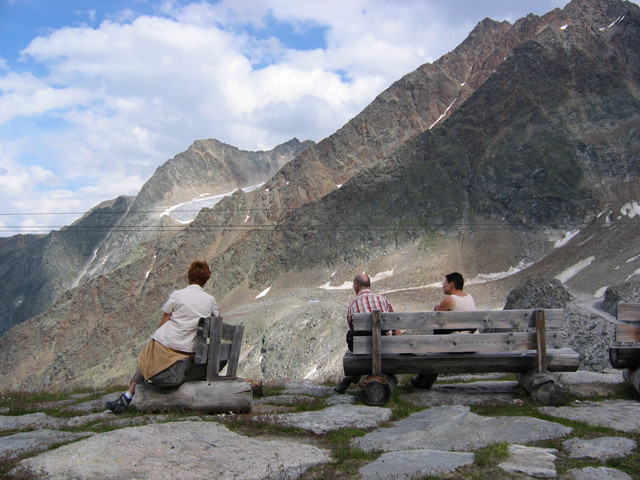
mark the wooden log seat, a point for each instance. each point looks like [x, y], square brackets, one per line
[625, 354]
[197, 384]
[507, 341]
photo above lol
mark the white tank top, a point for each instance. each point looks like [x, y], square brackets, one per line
[463, 303]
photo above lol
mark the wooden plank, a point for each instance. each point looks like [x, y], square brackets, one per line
[376, 344]
[202, 353]
[558, 360]
[541, 341]
[627, 332]
[628, 312]
[480, 319]
[234, 352]
[228, 331]
[204, 325]
[454, 343]
[214, 349]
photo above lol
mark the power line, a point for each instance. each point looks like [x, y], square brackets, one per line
[302, 228]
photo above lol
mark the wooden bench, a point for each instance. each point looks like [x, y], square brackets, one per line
[626, 354]
[508, 341]
[197, 384]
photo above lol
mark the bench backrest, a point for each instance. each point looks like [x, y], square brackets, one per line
[629, 329]
[518, 330]
[222, 342]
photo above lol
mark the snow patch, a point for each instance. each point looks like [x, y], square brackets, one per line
[637, 272]
[630, 209]
[564, 27]
[488, 277]
[263, 293]
[344, 286]
[443, 115]
[619, 19]
[566, 238]
[601, 292]
[349, 285]
[186, 212]
[633, 259]
[575, 269]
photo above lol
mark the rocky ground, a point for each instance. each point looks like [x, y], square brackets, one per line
[464, 427]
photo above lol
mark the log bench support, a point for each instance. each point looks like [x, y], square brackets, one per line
[625, 354]
[197, 384]
[510, 350]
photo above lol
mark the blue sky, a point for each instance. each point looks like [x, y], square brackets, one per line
[95, 95]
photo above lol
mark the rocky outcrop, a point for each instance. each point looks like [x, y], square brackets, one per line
[624, 292]
[539, 293]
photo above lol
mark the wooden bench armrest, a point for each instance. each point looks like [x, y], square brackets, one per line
[214, 351]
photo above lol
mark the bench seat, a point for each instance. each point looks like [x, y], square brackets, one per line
[527, 342]
[558, 360]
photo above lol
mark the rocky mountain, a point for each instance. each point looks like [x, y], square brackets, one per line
[36, 270]
[514, 157]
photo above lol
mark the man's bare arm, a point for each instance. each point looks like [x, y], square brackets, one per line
[445, 305]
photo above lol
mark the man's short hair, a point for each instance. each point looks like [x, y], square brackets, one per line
[362, 280]
[457, 280]
[199, 273]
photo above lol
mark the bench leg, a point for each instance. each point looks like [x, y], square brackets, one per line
[632, 377]
[544, 388]
[377, 389]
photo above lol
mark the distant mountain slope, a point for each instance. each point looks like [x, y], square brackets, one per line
[34, 272]
[532, 162]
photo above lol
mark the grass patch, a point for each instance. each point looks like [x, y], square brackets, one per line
[19, 472]
[492, 455]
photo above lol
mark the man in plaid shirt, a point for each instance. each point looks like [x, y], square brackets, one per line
[366, 302]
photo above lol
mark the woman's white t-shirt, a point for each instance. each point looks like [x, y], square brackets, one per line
[186, 306]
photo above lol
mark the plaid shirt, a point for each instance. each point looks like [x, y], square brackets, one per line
[367, 302]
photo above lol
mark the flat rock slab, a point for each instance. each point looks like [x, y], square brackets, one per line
[600, 448]
[13, 446]
[620, 415]
[301, 387]
[410, 464]
[455, 428]
[185, 450]
[332, 418]
[39, 420]
[587, 384]
[476, 393]
[532, 461]
[284, 400]
[599, 473]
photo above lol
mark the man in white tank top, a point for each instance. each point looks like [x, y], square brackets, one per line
[455, 299]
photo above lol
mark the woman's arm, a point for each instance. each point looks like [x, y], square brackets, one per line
[165, 319]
